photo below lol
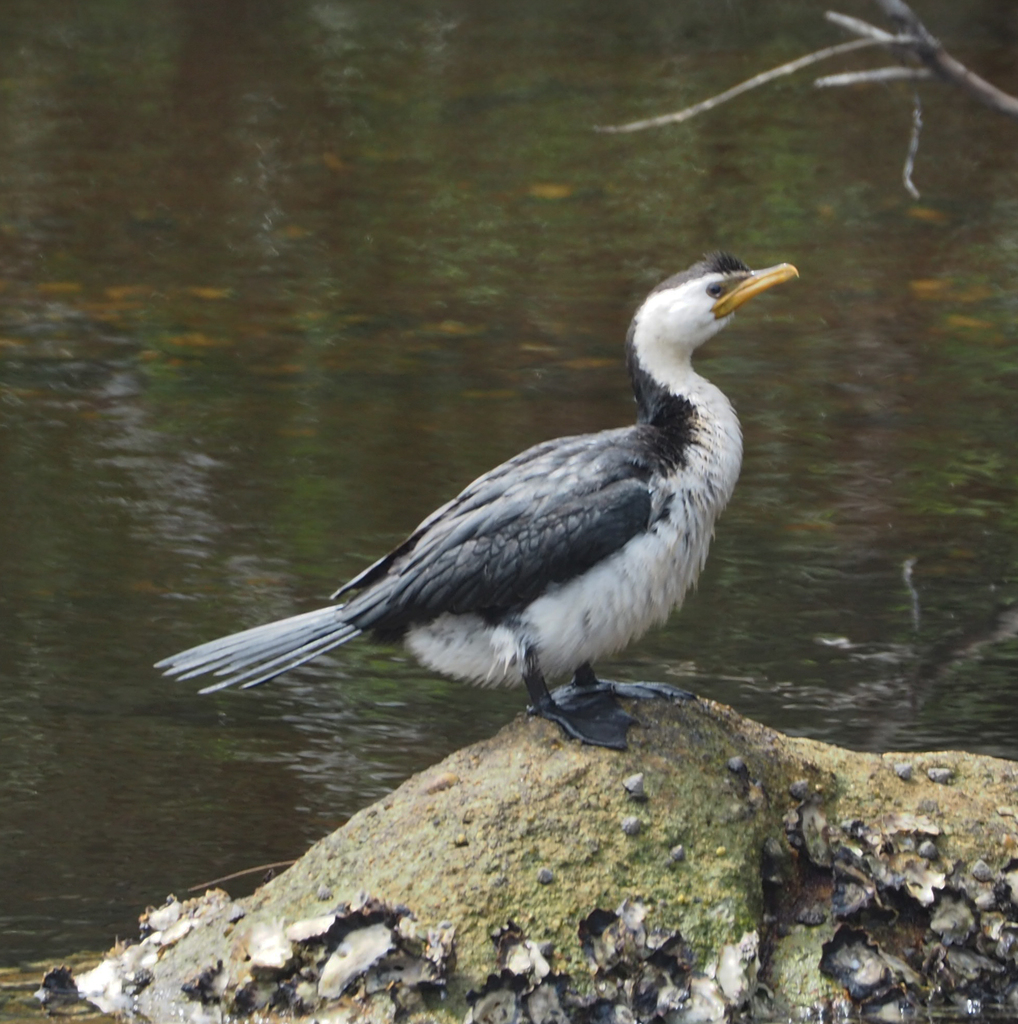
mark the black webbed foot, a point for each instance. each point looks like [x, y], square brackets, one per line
[587, 710]
[647, 691]
[584, 679]
[590, 716]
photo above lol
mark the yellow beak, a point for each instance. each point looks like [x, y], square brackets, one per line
[756, 283]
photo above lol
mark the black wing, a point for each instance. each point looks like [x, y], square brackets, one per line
[543, 517]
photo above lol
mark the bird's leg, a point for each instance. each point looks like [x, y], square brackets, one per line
[537, 688]
[584, 676]
[584, 681]
[591, 716]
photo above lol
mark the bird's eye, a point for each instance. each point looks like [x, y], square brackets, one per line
[714, 290]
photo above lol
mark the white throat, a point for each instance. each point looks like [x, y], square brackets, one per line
[668, 328]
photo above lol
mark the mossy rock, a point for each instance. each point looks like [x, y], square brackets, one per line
[531, 828]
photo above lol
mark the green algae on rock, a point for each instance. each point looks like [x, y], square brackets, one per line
[509, 882]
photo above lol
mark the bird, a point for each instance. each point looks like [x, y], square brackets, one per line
[560, 556]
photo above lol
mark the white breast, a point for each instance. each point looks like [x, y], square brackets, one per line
[609, 606]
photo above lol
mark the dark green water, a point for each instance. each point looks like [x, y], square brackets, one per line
[278, 278]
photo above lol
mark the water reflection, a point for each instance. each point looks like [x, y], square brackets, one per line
[278, 279]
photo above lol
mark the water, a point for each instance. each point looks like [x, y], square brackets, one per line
[280, 278]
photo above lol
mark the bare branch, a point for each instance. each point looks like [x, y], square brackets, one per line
[752, 83]
[906, 20]
[859, 27]
[913, 148]
[891, 74]
[929, 50]
[239, 874]
[954, 71]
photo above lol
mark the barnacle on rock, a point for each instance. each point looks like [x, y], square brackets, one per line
[639, 974]
[855, 961]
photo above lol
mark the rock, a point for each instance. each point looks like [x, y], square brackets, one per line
[982, 872]
[207, 986]
[899, 823]
[515, 953]
[826, 903]
[312, 928]
[799, 789]
[737, 969]
[812, 827]
[942, 776]
[903, 769]
[811, 916]
[165, 917]
[953, 920]
[58, 989]
[855, 961]
[986, 901]
[361, 949]
[634, 786]
[776, 866]
[104, 987]
[267, 946]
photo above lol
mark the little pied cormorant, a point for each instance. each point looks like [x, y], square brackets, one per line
[561, 555]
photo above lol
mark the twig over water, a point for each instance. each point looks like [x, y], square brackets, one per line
[930, 51]
[891, 74]
[240, 874]
[737, 90]
[913, 148]
[913, 41]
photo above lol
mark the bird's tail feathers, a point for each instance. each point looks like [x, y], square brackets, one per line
[260, 654]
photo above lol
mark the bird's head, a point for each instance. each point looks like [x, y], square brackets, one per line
[680, 314]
